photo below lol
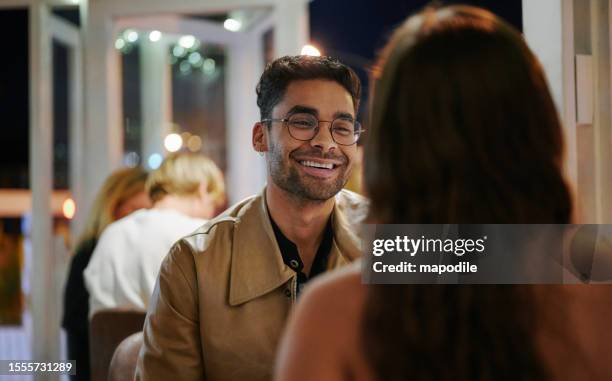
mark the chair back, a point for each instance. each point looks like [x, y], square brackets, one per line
[107, 329]
[123, 363]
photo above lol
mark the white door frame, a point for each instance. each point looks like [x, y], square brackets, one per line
[43, 27]
[70, 36]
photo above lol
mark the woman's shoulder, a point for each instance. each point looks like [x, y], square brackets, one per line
[342, 288]
[336, 301]
[322, 340]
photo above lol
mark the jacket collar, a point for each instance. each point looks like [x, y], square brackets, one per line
[257, 265]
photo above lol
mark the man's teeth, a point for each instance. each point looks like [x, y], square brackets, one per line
[316, 165]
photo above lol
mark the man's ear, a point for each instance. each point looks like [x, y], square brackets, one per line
[259, 137]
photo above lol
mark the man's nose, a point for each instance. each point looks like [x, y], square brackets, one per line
[323, 139]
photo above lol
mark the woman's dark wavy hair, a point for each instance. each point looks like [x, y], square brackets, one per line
[463, 130]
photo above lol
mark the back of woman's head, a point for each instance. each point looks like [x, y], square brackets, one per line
[181, 174]
[120, 186]
[464, 128]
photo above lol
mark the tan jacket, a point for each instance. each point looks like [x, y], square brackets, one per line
[224, 293]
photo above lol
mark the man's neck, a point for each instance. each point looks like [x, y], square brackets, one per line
[301, 221]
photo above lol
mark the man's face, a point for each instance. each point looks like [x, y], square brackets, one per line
[296, 166]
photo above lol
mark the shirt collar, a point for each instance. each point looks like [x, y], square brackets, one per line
[291, 256]
[257, 263]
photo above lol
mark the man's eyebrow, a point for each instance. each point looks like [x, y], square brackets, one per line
[344, 115]
[299, 109]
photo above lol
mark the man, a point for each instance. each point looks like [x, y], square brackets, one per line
[224, 292]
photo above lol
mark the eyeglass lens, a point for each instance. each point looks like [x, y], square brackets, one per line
[344, 131]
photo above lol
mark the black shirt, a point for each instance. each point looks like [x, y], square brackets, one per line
[291, 256]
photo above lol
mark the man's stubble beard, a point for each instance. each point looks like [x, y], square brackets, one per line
[287, 177]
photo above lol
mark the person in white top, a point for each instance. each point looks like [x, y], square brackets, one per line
[185, 190]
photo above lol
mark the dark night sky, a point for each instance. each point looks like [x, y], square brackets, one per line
[14, 89]
[361, 28]
[353, 30]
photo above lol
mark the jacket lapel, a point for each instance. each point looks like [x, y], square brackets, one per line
[257, 265]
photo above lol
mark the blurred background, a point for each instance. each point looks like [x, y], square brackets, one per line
[87, 87]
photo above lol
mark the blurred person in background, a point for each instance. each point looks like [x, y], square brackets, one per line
[355, 181]
[224, 292]
[185, 191]
[464, 130]
[122, 193]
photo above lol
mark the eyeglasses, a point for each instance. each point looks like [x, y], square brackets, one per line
[344, 131]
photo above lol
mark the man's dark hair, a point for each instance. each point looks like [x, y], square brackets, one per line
[280, 72]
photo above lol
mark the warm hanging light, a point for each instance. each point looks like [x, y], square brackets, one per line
[155, 36]
[187, 42]
[232, 25]
[69, 208]
[130, 35]
[310, 50]
[173, 142]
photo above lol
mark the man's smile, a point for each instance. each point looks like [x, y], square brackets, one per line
[319, 168]
[315, 164]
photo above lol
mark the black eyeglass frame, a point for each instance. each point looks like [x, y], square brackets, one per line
[358, 129]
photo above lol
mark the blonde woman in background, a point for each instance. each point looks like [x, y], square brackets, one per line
[185, 190]
[122, 193]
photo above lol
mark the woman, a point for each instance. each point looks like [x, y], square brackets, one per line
[186, 190]
[464, 130]
[122, 193]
